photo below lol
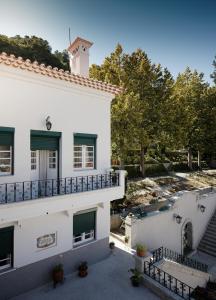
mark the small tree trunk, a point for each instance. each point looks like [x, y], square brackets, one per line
[190, 159]
[142, 162]
[199, 159]
[122, 166]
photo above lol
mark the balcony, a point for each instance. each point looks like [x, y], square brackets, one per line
[32, 190]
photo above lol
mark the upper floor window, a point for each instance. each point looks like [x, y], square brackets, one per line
[84, 157]
[6, 150]
[85, 151]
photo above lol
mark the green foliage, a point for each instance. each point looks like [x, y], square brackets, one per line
[213, 75]
[34, 48]
[156, 170]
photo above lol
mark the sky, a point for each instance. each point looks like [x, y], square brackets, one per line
[174, 33]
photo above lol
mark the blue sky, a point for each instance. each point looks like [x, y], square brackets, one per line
[175, 33]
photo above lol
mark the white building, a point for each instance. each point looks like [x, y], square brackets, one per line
[55, 180]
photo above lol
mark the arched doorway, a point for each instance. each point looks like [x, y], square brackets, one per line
[187, 238]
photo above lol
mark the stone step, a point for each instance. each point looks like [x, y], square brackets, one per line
[212, 222]
[210, 235]
[209, 238]
[211, 228]
[207, 251]
[210, 243]
[205, 247]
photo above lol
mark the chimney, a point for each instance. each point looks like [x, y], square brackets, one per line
[79, 57]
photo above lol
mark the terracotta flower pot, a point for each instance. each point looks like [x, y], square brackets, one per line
[83, 273]
[58, 277]
[141, 253]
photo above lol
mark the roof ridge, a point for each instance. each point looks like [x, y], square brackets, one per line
[47, 70]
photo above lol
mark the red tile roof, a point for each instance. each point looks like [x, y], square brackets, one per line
[20, 63]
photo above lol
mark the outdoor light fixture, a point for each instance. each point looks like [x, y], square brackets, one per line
[202, 208]
[48, 123]
[178, 218]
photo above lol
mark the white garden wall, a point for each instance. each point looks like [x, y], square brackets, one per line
[161, 228]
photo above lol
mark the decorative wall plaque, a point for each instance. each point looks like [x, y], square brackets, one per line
[46, 241]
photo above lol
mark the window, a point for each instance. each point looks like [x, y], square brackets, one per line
[84, 157]
[5, 160]
[84, 228]
[6, 248]
[84, 151]
[6, 150]
[52, 159]
[33, 160]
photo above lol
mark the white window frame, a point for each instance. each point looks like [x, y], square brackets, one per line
[51, 163]
[36, 160]
[84, 157]
[84, 237]
[8, 262]
[7, 158]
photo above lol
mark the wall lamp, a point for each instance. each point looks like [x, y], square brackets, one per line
[178, 218]
[48, 123]
[202, 208]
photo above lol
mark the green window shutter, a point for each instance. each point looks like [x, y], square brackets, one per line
[43, 140]
[6, 241]
[6, 136]
[84, 222]
[85, 139]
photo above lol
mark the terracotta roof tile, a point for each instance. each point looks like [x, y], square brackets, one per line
[20, 63]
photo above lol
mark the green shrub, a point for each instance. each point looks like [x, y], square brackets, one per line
[156, 170]
[133, 171]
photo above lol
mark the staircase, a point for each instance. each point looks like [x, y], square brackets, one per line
[208, 242]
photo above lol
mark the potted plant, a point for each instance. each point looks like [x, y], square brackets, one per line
[112, 245]
[136, 277]
[141, 250]
[58, 274]
[126, 239]
[83, 269]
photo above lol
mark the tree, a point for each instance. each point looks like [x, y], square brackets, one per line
[34, 48]
[207, 115]
[137, 115]
[122, 123]
[188, 98]
[213, 75]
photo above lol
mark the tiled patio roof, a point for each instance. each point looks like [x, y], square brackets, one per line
[20, 63]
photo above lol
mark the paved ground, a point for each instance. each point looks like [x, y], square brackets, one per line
[108, 279]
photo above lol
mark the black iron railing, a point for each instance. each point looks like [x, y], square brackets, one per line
[168, 281]
[163, 252]
[29, 190]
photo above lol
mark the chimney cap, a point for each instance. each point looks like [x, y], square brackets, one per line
[77, 42]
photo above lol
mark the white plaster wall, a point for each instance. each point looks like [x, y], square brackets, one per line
[162, 230]
[27, 99]
[27, 232]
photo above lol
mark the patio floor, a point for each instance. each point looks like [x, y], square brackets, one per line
[108, 279]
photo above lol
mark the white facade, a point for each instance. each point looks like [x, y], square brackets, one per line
[27, 99]
[161, 229]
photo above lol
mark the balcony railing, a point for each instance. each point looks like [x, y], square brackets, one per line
[168, 281]
[163, 252]
[29, 190]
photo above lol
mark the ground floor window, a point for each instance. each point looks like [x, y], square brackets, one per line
[84, 227]
[6, 248]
